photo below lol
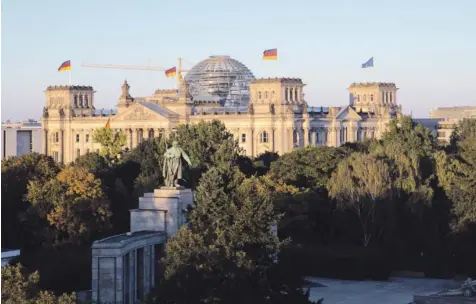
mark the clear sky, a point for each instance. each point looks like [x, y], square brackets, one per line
[427, 47]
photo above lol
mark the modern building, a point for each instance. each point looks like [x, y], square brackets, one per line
[20, 138]
[268, 114]
[448, 118]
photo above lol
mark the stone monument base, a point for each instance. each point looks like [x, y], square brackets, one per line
[162, 210]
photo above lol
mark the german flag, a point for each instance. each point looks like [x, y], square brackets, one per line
[65, 66]
[171, 72]
[271, 54]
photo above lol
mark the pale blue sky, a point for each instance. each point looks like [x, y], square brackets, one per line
[427, 47]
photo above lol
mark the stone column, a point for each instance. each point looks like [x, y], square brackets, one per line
[306, 137]
[134, 138]
[61, 147]
[314, 138]
[273, 147]
[252, 139]
[45, 142]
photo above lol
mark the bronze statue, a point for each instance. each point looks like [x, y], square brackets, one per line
[172, 170]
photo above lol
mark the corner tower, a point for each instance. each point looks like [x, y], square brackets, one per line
[371, 97]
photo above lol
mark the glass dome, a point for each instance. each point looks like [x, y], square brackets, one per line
[222, 78]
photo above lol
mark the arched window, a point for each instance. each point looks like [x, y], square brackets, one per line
[263, 137]
[151, 133]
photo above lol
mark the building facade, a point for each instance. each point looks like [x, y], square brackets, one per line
[20, 138]
[276, 118]
[448, 118]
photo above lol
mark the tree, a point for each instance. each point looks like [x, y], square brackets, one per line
[149, 156]
[73, 203]
[17, 172]
[208, 144]
[19, 287]
[457, 174]
[93, 162]
[112, 143]
[309, 168]
[227, 252]
[362, 183]
[263, 162]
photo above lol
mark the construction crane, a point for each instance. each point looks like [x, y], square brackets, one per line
[178, 74]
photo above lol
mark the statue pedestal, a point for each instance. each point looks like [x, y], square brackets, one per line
[162, 210]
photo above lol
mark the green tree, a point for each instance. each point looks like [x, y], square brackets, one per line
[17, 172]
[19, 287]
[308, 168]
[457, 174]
[208, 144]
[227, 253]
[362, 183]
[112, 143]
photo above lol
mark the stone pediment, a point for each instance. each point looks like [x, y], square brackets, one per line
[348, 113]
[146, 111]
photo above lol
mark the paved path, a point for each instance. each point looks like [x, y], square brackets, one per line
[396, 290]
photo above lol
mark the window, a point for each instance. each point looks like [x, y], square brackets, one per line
[272, 94]
[296, 95]
[266, 94]
[286, 94]
[358, 97]
[78, 153]
[77, 138]
[263, 137]
[243, 137]
[57, 137]
[365, 97]
[81, 100]
[290, 94]
[55, 156]
[151, 133]
[140, 136]
[371, 97]
[75, 101]
[390, 96]
[86, 103]
[87, 138]
[259, 95]
[386, 97]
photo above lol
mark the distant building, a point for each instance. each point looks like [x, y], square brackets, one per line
[448, 118]
[20, 138]
[263, 114]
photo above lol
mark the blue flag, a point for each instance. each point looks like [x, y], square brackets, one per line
[369, 63]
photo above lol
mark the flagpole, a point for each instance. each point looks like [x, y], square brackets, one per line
[69, 76]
